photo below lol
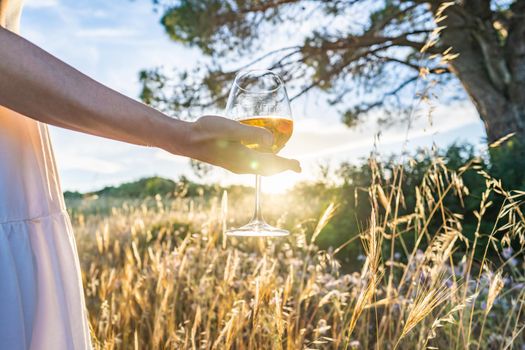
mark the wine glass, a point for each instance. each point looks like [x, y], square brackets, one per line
[259, 98]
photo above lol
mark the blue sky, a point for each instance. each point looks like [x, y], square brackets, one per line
[111, 41]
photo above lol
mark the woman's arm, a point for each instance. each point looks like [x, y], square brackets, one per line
[38, 85]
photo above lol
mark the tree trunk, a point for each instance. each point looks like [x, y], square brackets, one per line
[490, 68]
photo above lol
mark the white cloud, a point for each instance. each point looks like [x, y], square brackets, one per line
[104, 33]
[40, 3]
[163, 156]
[88, 163]
[314, 137]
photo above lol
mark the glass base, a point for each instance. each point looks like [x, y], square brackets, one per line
[257, 229]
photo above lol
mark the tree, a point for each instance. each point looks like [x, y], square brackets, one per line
[363, 54]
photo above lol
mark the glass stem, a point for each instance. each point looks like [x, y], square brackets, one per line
[257, 215]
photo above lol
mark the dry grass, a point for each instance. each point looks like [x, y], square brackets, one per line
[160, 275]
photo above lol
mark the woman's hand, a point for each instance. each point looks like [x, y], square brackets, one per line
[217, 140]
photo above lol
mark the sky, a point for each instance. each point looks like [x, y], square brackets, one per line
[111, 41]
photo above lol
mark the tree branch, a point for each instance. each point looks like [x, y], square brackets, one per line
[436, 70]
[271, 53]
[355, 42]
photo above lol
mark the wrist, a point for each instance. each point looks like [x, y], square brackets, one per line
[173, 136]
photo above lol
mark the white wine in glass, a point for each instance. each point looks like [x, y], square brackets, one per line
[259, 98]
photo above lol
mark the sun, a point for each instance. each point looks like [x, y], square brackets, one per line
[279, 183]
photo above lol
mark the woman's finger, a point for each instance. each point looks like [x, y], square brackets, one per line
[234, 130]
[270, 164]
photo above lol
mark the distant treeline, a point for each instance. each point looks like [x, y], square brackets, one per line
[151, 186]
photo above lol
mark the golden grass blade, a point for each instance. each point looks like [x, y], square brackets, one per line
[323, 221]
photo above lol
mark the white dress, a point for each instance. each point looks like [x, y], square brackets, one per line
[41, 297]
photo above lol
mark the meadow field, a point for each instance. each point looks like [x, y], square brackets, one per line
[408, 248]
[159, 273]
